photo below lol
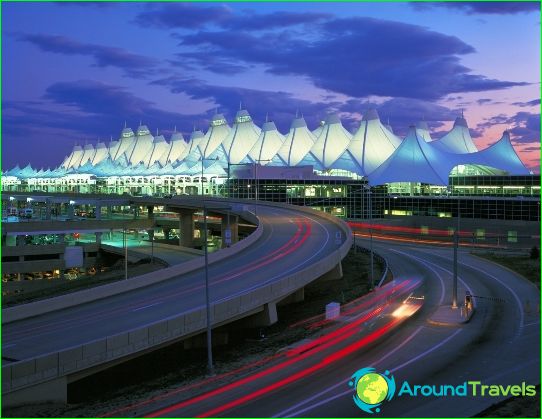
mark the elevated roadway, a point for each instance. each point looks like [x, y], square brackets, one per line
[295, 246]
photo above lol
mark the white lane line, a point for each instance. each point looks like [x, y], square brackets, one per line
[147, 306]
[531, 324]
[438, 345]
[349, 391]
[442, 287]
[284, 413]
[516, 297]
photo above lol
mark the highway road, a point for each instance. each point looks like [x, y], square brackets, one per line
[291, 241]
[500, 345]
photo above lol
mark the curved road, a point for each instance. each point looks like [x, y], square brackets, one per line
[291, 241]
[500, 345]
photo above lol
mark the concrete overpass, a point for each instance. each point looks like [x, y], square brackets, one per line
[48, 344]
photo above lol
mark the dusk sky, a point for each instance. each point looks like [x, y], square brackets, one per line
[75, 72]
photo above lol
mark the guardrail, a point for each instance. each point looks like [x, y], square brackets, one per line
[37, 308]
[47, 367]
[380, 259]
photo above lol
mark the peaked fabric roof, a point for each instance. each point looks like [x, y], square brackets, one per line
[500, 155]
[332, 141]
[371, 145]
[267, 144]
[297, 143]
[415, 161]
[215, 135]
[423, 131]
[458, 140]
[241, 138]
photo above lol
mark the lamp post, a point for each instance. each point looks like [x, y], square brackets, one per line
[210, 367]
[125, 242]
[456, 246]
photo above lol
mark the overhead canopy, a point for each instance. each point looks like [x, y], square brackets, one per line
[458, 140]
[241, 138]
[215, 135]
[331, 142]
[415, 161]
[296, 145]
[267, 145]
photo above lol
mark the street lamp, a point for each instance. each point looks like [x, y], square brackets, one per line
[456, 246]
[210, 367]
[125, 242]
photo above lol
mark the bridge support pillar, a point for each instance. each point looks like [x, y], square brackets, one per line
[98, 238]
[98, 212]
[47, 209]
[229, 229]
[150, 212]
[186, 228]
[296, 297]
[51, 391]
[335, 273]
[167, 232]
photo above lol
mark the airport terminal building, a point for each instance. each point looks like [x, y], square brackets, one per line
[370, 172]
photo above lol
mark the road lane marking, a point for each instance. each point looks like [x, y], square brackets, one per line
[442, 287]
[284, 413]
[147, 306]
[427, 352]
[516, 297]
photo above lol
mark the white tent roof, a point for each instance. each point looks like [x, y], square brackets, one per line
[500, 155]
[101, 153]
[215, 135]
[422, 129]
[458, 140]
[241, 138]
[371, 145]
[332, 141]
[77, 155]
[175, 149]
[126, 140]
[159, 147]
[267, 145]
[191, 153]
[297, 143]
[141, 147]
[415, 161]
[88, 154]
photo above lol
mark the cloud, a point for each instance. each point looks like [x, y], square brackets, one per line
[281, 107]
[133, 65]
[191, 16]
[44, 131]
[534, 102]
[355, 56]
[524, 126]
[489, 7]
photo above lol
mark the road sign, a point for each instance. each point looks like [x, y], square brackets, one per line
[227, 236]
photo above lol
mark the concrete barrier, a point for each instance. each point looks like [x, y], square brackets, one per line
[52, 366]
[19, 378]
[37, 308]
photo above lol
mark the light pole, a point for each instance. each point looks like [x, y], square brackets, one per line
[210, 368]
[371, 235]
[125, 242]
[456, 245]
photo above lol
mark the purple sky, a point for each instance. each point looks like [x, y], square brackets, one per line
[75, 72]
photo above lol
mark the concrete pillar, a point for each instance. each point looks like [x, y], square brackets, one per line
[61, 238]
[296, 297]
[98, 238]
[166, 231]
[150, 212]
[98, 212]
[19, 241]
[266, 317]
[335, 273]
[186, 228]
[233, 236]
[47, 209]
[109, 211]
[70, 211]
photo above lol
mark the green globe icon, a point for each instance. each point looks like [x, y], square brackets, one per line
[372, 388]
